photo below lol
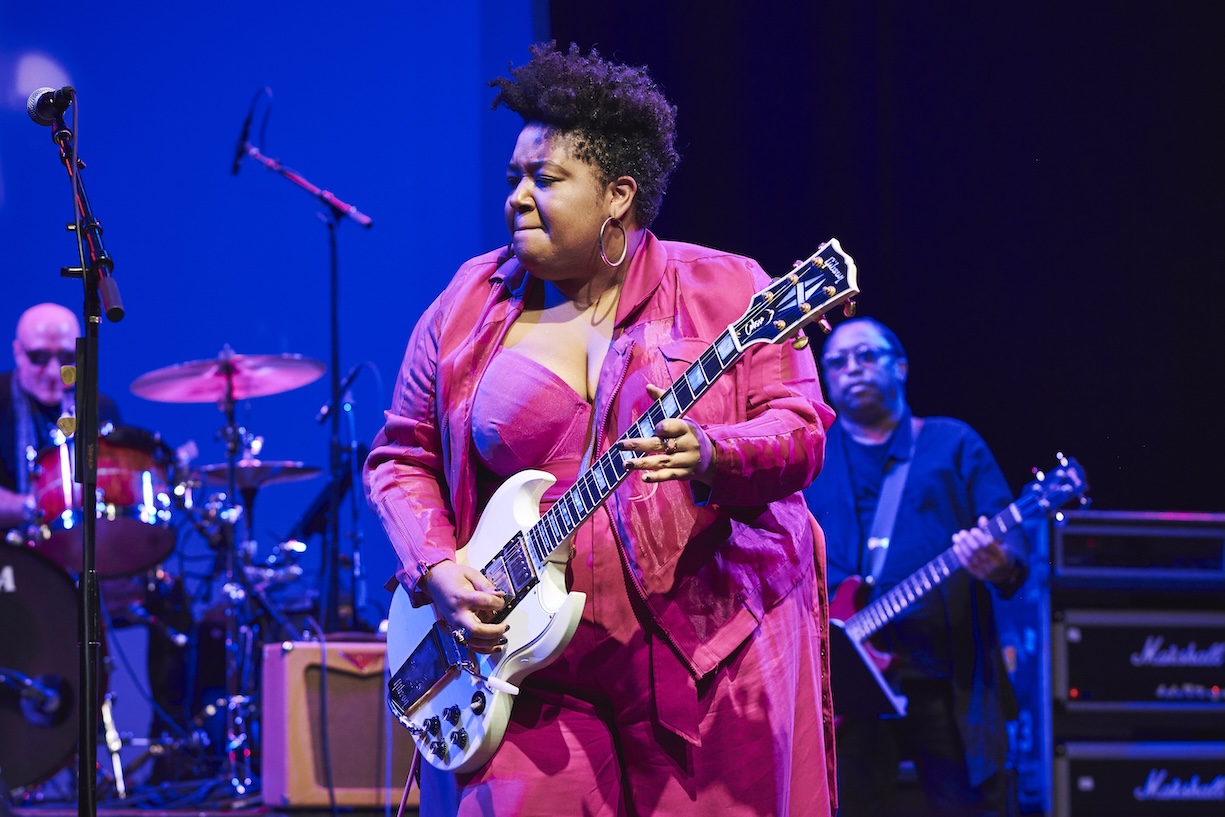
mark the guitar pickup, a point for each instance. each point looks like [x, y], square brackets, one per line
[435, 662]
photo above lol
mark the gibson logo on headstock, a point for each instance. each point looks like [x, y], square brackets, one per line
[831, 264]
[756, 323]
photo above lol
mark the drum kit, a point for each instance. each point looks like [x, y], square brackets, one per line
[145, 491]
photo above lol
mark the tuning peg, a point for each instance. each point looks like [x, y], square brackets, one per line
[796, 263]
[800, 341]
[848, 309]
[823, 322]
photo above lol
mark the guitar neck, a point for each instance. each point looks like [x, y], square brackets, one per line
[874, 616]
[826, 278]
[515, 567]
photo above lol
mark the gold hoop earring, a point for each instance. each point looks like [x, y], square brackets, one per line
[624, 247]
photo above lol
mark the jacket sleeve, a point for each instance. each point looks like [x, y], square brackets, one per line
[404, 474]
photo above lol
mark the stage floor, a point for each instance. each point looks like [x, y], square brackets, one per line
[198, 798]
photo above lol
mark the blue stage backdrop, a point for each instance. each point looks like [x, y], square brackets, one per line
[383, 104]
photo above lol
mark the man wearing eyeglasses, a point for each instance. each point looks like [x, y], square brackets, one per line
[947, 659]
[32, 398]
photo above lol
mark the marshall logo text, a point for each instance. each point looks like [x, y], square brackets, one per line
[1156, 654]
[1156, 787]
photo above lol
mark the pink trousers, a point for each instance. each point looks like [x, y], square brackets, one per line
[585, 739]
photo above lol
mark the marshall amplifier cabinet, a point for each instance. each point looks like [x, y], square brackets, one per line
[1139, 660]
[1178, 779]
[1135, 550]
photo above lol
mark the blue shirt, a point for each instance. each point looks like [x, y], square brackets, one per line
[950, 634]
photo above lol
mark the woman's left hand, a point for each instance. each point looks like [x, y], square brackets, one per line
[680, 449]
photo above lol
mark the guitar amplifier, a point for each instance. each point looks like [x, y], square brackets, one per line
[358, 745]
[1139, 660]
[1140, 550]
[1139, 779]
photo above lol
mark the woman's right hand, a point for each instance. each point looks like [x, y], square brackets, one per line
[467, 600]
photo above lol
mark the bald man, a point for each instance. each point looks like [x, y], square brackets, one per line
[32, 397]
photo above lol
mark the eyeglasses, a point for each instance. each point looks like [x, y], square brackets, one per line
[865, 354]
[40, 357]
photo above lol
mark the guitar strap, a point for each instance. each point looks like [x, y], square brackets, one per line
[886, 507]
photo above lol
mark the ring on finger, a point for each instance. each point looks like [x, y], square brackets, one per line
[670, 445]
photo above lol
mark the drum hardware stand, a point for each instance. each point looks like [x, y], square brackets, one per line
[239, 638]
[223, 381]
[101, 291]
[241, 624]
[336, 210]
[113, 745]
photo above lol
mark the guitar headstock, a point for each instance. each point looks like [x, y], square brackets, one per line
[1058, 487]
[814, 286]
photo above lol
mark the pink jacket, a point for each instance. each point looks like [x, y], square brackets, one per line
[706, 569]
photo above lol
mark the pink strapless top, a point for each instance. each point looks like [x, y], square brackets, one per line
[525, 416]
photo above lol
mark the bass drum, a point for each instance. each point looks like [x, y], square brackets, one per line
[39, 667]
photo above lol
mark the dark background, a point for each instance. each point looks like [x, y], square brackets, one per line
[1034, 195]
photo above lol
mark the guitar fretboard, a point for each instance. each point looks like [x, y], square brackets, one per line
[815, 285]
[514, 568]
[899, 598]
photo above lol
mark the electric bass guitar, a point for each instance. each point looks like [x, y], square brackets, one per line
[456, 703]
[1045, 495]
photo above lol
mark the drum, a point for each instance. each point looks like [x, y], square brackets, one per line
[134, 503]
[39, 667]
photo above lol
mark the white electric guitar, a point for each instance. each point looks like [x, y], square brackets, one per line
[455, 702]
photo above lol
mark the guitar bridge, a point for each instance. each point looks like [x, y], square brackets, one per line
[436, 661]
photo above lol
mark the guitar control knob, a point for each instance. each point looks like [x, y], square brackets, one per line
[438, 748]
[460, 738]
[433, 726]
[451, 713]
[478, 702]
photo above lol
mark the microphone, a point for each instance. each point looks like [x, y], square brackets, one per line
[145, 617]
[42, 699]
[240, 149]
[46, 699]
[47, 104]
[326, 409]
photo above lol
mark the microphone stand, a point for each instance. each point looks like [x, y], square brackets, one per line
[100, 291]
[336, 210]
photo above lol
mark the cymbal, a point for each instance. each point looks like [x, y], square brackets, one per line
[205, 381]
[249, 474]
